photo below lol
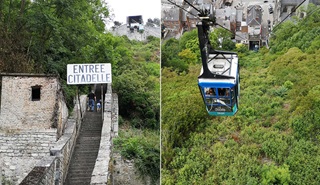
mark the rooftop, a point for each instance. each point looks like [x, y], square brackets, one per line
[254, 15]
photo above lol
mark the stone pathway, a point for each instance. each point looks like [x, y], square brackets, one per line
[86, 150]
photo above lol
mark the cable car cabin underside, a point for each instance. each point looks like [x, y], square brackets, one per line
[219, 85]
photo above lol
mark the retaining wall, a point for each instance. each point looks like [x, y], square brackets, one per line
[49, 165]
[101, 172]
[21, 150]
[52, 169]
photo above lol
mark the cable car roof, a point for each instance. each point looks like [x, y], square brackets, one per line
[224, 64]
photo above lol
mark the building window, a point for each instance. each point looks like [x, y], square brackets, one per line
[36, 92]
[285, 9]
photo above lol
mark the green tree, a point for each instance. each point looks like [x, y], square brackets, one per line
[221, 39]
[189, 40]
[188, 56]
[13, 33]
[169, 56]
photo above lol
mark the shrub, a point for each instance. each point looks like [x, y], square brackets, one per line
[281, 91]
[143, 147]
[272, 174]
[288, 84]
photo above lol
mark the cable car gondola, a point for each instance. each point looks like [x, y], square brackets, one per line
[219, 77]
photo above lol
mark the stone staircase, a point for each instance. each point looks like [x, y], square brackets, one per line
[86, 150]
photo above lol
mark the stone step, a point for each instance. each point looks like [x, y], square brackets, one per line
[89, 136]
[85, 154]
[92, 143]
[78, 181]
[86, 150]
[84, 169]
[81, 160]
[88, 141]
[85, 160]
[81, 172]
[89, 150]
[83, 165]
[88, 144]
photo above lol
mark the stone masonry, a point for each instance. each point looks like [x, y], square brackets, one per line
[53, 169]
[37, 137]
[28, 127]
[20, 151]
[19, 111]
[102, 171]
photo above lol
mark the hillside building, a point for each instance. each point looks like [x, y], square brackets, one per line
[33, 116]
[32, 101]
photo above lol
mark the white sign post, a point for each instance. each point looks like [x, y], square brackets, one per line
[89, 73]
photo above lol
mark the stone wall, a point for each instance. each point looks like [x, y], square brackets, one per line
[61, 114]
[46, 166]
[53, 169]
[125, 172]
[63, 152]
[101, 172]
[28, 128]
[18, 111]
[21, 150]
[115, 115]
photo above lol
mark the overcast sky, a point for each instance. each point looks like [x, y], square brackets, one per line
[123, 8]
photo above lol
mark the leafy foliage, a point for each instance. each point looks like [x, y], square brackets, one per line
[169, 52]
[178, 54]
[221, 39]
[45, 36]
[144, 148]
[303, 34]
[138, 84]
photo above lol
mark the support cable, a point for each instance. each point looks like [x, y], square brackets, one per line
[201, 12]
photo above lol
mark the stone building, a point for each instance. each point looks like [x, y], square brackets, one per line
[171, 20]
[254, 19]
[284, 7]
[32, 101]
[33, 115]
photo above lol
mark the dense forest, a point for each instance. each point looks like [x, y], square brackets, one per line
[44, 36]
[275, 136]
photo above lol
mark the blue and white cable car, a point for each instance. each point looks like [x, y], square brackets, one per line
[219, 77]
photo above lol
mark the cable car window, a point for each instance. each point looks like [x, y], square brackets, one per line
[224, 95]
[233, 93]
[224, 91]
[210, 91]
